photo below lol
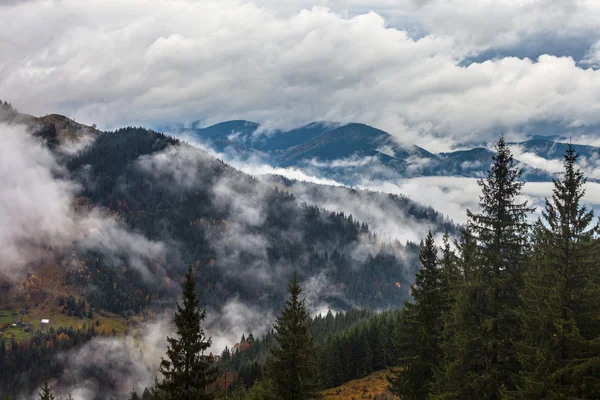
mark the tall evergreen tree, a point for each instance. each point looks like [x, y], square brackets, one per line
[481, 360]
[46, 393]
[187, 370]
[450, 273]
[560, 349]
[421, 329]
[2, 351]
[292, 364]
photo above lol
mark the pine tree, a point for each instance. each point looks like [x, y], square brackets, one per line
[292, 365]
[450, 274]
[46, 393]
[420, 329]
[226, 355]
[187, 371]
[480, 357]
[559, 350]
[2, 350]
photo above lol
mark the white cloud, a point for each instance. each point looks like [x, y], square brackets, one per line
[234, 319]
[37, 213]
[135, 61]
[352, 161]
[535, 161]
[592, 58]
[133, 359]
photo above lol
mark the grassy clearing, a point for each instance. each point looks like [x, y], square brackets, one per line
[108, 322]
[372, 387]
[7, 317]
[53, 286]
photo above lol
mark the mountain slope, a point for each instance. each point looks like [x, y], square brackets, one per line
[137, 191]
[354, 153]
[346, 141]
[552, 150]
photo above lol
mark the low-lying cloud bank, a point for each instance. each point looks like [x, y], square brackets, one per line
[132, 362]
[450, 195]
[39, 214]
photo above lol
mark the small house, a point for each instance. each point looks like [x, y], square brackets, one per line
[45, 322]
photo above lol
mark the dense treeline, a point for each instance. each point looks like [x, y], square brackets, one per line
[515, 312]
[356, 352]
[75, 307]
[32, 360]
[249, 363]
[389, 202]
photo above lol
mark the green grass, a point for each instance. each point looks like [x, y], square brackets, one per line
[17, 333]
[7, 317]
[33, 320]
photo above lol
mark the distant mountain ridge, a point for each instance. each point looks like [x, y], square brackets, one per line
[354, 152]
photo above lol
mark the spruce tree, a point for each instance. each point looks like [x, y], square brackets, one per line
[419, 336]
[450, 274]
[226, 355]
[292, 363]
[2, 350]
[559, 351]
[480, 356]
[46, 393]
[187, 370]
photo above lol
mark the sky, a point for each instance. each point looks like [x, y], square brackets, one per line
[437, 73]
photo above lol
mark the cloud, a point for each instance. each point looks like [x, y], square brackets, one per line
[234, 319]
[38, 214]
[589, 165]
[129, 363]
[532, 159]
[35, 207]
[131, 62]
[315, 289]
[592, 58]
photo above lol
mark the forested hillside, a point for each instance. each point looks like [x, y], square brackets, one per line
[172, 192]
[514, 313]
[509, 310]
[243, 235]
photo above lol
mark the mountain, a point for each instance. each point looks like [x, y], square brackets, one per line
[554, 150]
[346, 141]
[277, 141]
[236, 129]
[150, 205]
[354, 153]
